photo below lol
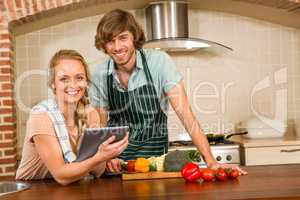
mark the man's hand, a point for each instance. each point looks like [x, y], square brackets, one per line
[109, 150]
[233, 166]
[113, 165]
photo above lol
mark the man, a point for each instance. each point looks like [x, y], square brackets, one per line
[133, 88]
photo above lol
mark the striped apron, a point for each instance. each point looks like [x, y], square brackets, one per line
[140, 110]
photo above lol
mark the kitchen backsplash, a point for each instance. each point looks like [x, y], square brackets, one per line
[260, 77]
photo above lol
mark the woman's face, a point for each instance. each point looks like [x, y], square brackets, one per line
[70, 81]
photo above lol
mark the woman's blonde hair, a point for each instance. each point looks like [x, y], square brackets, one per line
[116, 22]
[80, 114]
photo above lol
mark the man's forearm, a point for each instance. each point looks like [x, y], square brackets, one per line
[179, 101]
[200, 141]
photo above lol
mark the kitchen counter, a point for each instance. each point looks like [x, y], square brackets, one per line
[262, 182]
[265, 142]
[269, 151]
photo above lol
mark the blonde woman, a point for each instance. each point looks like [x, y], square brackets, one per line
[55, 127]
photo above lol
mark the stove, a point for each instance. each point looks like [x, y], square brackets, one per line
[224, 152]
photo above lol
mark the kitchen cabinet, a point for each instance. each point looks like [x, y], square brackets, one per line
[269, 151]
[271, 155]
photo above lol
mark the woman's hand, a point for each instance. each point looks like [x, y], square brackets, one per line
[109, 150]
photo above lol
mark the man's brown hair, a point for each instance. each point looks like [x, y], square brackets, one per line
[116, 22]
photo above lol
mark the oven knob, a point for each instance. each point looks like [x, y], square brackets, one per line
[229, 157]
[218, 158]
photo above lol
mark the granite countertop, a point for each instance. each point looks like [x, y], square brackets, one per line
[286, 140]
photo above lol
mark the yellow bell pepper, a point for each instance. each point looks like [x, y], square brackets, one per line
[142, 165]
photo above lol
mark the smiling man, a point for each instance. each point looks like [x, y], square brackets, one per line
[134, 86]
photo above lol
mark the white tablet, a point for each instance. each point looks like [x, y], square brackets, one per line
[93, 137]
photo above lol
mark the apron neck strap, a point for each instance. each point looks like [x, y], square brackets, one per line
[144, 62]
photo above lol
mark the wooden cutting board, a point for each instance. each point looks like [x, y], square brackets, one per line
[150, 175]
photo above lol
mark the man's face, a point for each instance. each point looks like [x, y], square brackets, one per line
[121, 48]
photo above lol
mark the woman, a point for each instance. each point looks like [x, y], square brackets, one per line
[55, 127]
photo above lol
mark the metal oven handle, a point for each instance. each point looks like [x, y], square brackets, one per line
[289, 150]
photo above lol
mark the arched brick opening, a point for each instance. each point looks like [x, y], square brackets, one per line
[15, 13]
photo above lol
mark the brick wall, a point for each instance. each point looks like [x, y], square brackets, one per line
[14, 13]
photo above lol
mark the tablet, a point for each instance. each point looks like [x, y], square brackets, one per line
[93, 137]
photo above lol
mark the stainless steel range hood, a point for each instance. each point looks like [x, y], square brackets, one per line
[167, 28]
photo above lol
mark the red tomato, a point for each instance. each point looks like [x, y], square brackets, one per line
[208, 174]
[221, 174]
[234, 173]
[130, 165]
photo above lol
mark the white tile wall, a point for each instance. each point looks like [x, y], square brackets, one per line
[260, 49]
